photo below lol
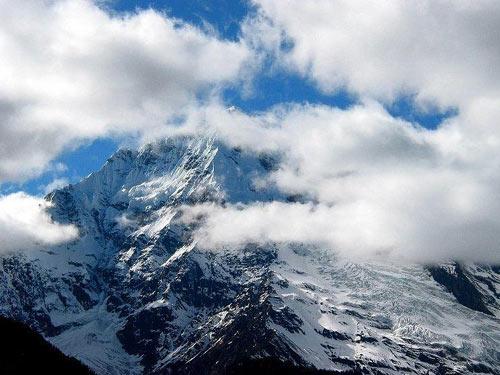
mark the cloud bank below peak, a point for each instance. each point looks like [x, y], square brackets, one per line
[372, 185]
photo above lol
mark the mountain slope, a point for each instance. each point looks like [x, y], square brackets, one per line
[135, 294]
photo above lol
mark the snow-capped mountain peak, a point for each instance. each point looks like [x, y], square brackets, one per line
[136, 294]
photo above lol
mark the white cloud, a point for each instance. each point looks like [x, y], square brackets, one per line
[70, 72]
[446, 51]
[357, 230]
[380, 185]
[24, 223]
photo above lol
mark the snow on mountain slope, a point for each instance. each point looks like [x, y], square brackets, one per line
[395, 318]
[134, 294]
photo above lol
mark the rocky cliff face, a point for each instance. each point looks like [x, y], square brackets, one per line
[134, 293]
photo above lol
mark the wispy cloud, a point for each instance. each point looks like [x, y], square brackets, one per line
[55, 184]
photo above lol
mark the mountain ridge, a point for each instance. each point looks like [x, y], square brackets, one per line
[135, 294]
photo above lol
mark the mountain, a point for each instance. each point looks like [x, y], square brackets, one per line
[136, 294]
[23, 351]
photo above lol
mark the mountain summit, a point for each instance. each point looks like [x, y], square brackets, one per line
[135, 293]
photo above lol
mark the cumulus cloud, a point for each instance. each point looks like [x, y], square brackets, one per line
[25, 223]
[70, 72]
[373, 185]
[445, 51]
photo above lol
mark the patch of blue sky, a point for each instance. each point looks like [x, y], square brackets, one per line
[71, 165]
[272, 88]
[223, 16]
[429, 118]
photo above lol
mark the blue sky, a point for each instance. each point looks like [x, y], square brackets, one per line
[225, 16]
[271, 86]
